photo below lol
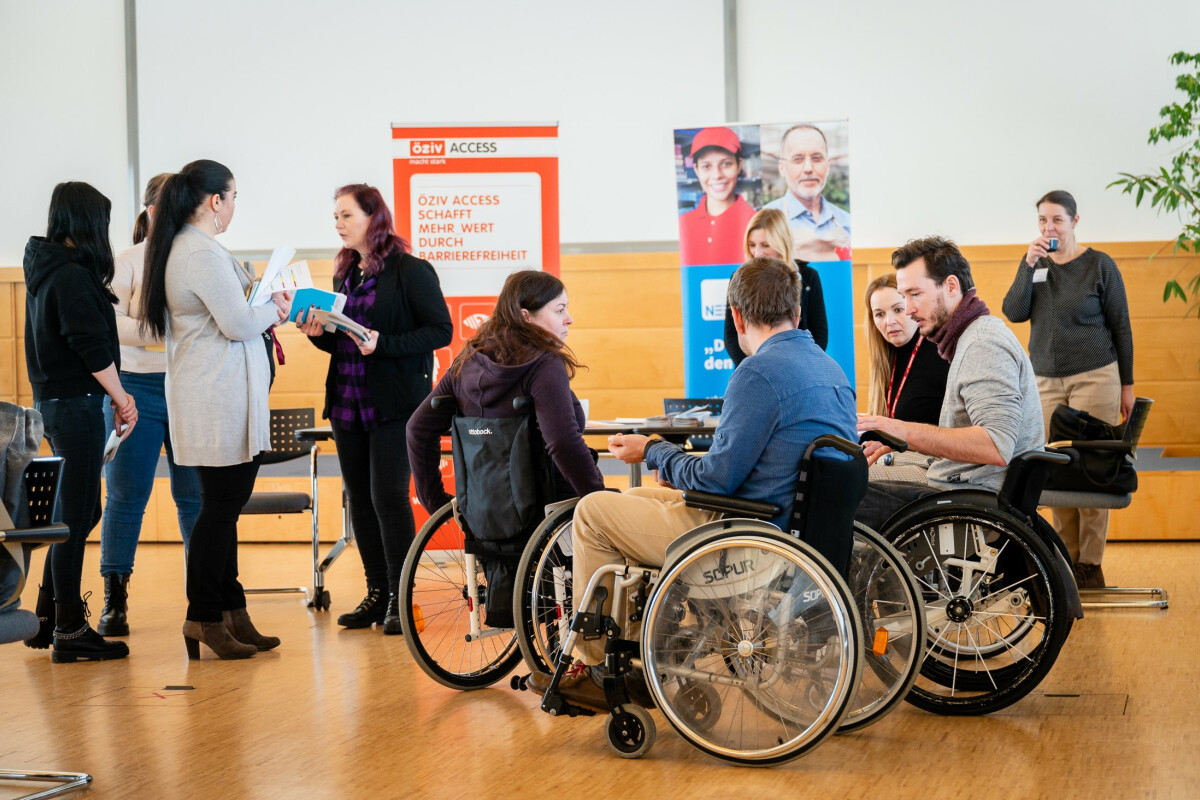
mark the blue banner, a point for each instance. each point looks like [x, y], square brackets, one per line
[706, 365]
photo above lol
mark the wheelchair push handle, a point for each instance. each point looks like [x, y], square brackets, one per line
[894, 442]
[838, 443]
[444, 402]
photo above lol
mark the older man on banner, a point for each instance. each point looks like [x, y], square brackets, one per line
[820, 230]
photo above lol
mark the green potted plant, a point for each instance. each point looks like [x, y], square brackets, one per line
[1176, 188]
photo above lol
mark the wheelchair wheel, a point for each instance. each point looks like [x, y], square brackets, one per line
[996, 615]
[630, 733]
[768, 626]
[892, 610]
[542, 599]
[436, 614]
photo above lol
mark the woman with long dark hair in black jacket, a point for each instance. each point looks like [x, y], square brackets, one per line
[73, 357]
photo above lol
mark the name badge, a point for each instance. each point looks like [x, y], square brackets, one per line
[1039, 275]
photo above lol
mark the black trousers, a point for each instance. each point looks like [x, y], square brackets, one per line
[884, 498]
[376, 473]
[212, 565]
[75, 428]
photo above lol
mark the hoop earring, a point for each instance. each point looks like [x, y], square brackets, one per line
[217, 222]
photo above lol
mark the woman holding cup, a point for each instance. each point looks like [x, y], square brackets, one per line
[1081, 347]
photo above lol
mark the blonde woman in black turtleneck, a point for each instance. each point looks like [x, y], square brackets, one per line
[907, 376]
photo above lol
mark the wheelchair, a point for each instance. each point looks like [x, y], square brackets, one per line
[752, 642]
[997, 585]
[454, 585]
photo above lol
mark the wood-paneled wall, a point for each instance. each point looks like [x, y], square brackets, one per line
[629, 333]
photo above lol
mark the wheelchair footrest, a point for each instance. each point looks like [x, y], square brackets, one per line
[1118, 597]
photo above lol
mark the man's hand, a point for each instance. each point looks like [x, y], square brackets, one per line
[1126, 401]
[629, 447]
[875, 451]
[873, 422]
[660, 481]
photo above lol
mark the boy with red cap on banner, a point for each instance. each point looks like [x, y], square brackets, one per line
[712, 232]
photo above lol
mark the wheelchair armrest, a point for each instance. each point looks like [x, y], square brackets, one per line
[1095, 445]
[894, 442]
[731, 505]
[1045, 455]
[45, 534]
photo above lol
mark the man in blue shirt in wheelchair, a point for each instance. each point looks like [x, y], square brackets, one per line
[780, 399]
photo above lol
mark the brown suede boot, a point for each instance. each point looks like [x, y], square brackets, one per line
[237, 620]
[218, 639]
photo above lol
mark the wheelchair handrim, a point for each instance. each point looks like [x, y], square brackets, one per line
[844, 674]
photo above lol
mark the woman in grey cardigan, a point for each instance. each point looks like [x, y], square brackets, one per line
[218, 376]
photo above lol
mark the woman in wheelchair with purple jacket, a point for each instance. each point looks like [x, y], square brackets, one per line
[519, 352]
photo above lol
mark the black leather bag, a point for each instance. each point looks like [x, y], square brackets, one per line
[1089, 471]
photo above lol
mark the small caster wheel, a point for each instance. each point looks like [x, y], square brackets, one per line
[524, 683]
[630, 733]
[700, 704]
[517, 683]
[323, 600]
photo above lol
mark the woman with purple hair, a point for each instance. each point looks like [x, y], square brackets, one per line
[374, 386]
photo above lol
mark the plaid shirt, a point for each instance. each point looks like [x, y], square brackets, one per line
[352, 407]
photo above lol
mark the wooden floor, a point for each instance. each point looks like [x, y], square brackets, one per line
[345, 714]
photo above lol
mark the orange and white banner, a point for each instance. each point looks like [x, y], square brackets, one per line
[478, 202]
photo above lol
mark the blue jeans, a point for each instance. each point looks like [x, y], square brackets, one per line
[75, 429]
[129, 477]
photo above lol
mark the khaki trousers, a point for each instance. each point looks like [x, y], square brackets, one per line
[1098, 392]
[636, 525]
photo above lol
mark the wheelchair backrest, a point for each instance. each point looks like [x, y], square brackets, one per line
[502, 474]
[828, 491]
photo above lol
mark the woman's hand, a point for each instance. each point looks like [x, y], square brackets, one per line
[1037, 250]
[1126, 401]
[125, 413]
[308, 323]
[367, 347]
[283, 305]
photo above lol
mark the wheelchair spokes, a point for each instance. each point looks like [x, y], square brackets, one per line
[995, 616]
[443, 620]
[745, 652]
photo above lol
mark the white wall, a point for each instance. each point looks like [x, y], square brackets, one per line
[62, 112]
[298, 98]
[963, 114]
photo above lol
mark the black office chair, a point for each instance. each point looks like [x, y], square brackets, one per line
[16, 624]
[675, 405]
[285, 447]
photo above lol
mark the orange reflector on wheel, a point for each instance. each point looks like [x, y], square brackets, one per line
[418, 618]
[879, 644]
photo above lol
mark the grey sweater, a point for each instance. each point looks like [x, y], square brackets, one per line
[1079, 316]
[218, 375]
[990, 384]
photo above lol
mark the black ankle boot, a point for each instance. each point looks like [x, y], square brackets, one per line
[369, 611]
[391, 619]
[45, 614]
[113, 620]
[74, 639]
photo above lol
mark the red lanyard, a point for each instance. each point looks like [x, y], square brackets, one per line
[896, 401]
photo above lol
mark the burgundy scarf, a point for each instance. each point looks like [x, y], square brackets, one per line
[970, 309]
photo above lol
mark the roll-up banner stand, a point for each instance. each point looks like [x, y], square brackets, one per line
[477, 201]
[724, 176]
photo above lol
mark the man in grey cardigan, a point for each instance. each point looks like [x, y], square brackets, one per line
[990, 412]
